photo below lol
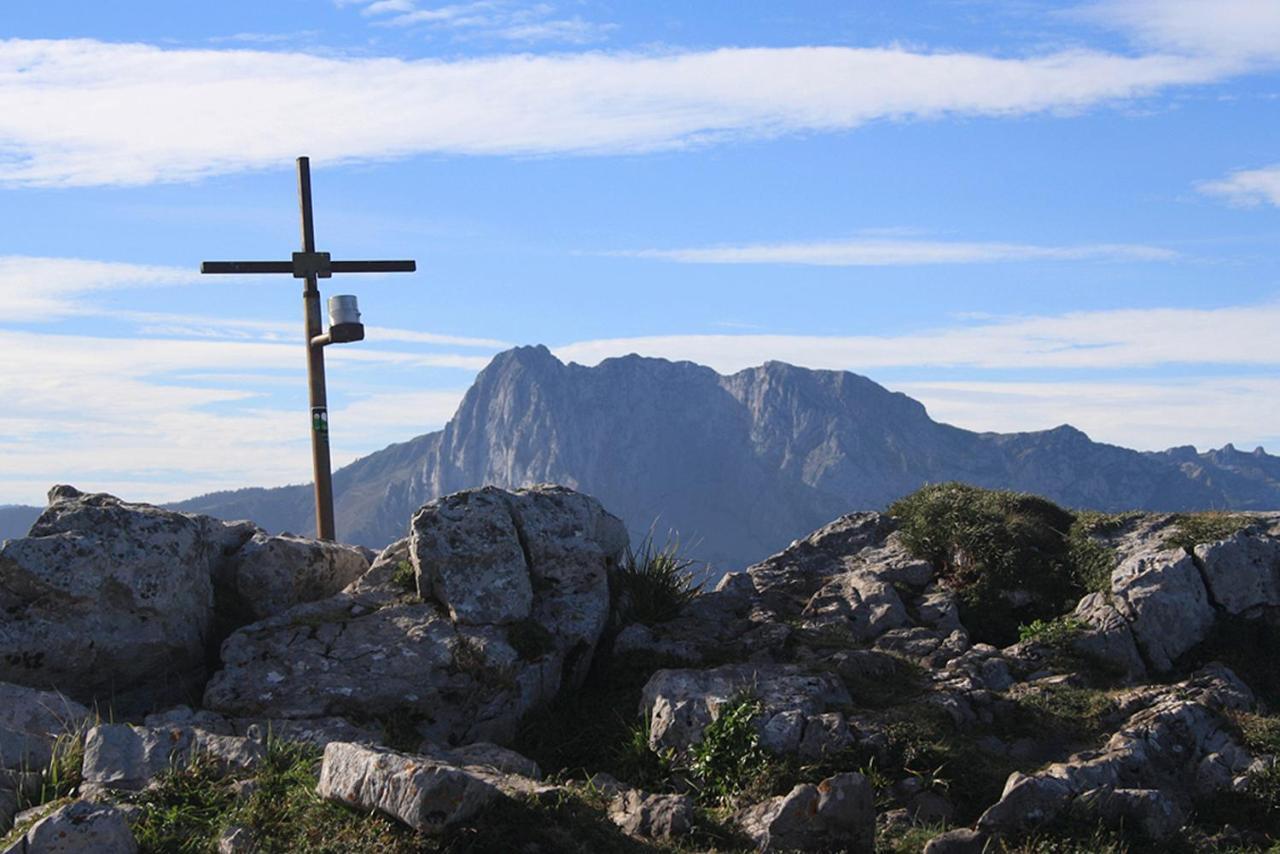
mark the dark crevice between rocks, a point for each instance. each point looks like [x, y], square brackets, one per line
[518, 524]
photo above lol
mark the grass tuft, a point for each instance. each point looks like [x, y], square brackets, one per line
[1192, 529]
[729, 757]
[652, 584]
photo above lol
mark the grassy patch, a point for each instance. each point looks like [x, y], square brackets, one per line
[729, 757]
[652, 584]
[1191, 529]
[1076, 714]
[987, 543]
[597, 728]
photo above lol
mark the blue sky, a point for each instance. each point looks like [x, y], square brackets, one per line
[1021, 213]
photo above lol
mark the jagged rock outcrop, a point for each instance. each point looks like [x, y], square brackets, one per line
[118, 602]
[463, 664]
[739, 464]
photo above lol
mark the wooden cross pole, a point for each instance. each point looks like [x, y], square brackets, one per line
[312, 266]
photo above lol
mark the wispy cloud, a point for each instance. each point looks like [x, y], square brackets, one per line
[1098, 340]
[507, 20]
[1149, 415]
[82, 112]
[40, 289]
[891, 253]
[1240, 31]
[1247, 187]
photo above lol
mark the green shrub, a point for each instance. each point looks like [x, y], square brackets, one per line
[1057, 633]
[988, 543]
[729, 757]
[652, 584]
[404, 577]
[1191, 529]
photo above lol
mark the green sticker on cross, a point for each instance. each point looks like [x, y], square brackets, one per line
[320, 421]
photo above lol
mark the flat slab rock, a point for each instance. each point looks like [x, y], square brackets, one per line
[427, 793]
[124, 757]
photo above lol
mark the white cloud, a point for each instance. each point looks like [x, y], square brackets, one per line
[40, 289]
[1100, 340]
[1244, 31]
[881, 253]
[1247, 187]
[82, 112]
[162, 419]
[1147, 415]
[501, 19]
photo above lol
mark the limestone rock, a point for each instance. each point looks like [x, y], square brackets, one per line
[837, 814]
[1160, 593]
[270, 574]
[1161, 746]
[467, 555]
[372, 651]
[962, 840]
[485, 754]
[864, 603]
[1242, 572]
[1108, 640]
[105, 597]
[679, 704]
[124, 757]
[78, 828]
[425, 794]
[1148, 812]
[652, 816]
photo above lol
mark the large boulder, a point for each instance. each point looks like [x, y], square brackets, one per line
[105, 597]
[463, 669]
[123, 603]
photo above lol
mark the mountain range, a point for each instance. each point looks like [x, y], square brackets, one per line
[738, 466]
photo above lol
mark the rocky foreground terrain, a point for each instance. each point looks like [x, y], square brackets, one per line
[968, 671]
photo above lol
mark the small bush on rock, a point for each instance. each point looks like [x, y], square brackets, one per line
[729, 757]
[1007, 554]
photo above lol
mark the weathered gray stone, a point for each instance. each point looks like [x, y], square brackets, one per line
[124, 757]
[649, 816]
[270, 574]
[962, 840]
[467, 554]
[1160, 593]
[1109, 639]
[485, 754]
[236, 839]
[1147, 812]
[679, 704]
[370, 652]
[866, 605]
[425, 794]
[46, 713]
[837, 814]
[1161, 746]
[79, 827]
[1242, 572]
[111, 599]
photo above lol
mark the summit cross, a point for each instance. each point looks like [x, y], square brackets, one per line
[344, 327]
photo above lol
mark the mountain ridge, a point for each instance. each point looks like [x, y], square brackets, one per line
[740, 464]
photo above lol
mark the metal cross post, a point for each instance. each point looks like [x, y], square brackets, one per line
[345, 326]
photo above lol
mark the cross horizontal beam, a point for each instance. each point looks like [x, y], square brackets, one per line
[300, 268]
